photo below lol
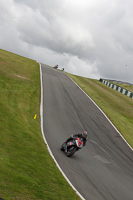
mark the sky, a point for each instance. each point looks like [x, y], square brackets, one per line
[89, 38]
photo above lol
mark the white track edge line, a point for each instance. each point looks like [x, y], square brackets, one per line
[41, 117]
[103, 113]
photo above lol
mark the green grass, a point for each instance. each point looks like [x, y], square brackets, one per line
[118, 107]
[27, 171]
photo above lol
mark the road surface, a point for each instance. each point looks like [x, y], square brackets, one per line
[103, 169]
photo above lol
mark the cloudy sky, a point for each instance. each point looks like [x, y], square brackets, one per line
[90, 38]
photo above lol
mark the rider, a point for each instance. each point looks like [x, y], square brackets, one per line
[80, 135]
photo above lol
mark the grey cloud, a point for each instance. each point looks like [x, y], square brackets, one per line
[92, 38]
[54, 34]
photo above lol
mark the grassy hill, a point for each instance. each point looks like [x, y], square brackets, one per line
[27, 171]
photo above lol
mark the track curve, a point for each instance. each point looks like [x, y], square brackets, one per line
[102, 170]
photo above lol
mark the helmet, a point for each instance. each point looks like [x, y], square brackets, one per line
[84, 134]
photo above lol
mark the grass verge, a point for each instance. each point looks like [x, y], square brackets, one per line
[118, 107]
[27, 171]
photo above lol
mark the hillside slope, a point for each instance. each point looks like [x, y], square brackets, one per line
[27, 171]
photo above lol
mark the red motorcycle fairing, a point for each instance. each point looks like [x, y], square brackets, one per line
[79, 142]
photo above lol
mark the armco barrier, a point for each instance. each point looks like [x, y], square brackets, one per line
[117, 88]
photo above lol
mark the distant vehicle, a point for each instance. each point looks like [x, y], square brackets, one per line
[56, 67]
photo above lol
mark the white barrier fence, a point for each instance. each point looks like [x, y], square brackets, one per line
[117, 88]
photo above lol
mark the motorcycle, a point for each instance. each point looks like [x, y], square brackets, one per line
[72, 146]
[55, 67]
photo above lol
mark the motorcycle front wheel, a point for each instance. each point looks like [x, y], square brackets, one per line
[71, 150]
[62, 147]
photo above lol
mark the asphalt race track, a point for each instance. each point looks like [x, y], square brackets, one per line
[103, 169]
